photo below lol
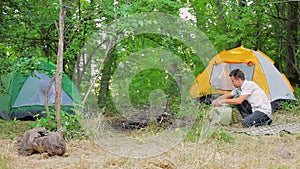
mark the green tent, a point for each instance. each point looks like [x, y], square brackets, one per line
[24, 94]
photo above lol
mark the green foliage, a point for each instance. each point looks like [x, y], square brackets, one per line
[283, 167]
[193, 135]
[293, 106]
[297, 92]
[71, 127]
[256, 25]
[297, 136]
[202, 128]
[3, 162]
[30, 30]
[149, 80]
[19, 65]
[14, 128]
[222, 136]
[27, 23]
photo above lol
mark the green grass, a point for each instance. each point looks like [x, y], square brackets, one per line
[13, 129]
[71, 128]
[3, 163]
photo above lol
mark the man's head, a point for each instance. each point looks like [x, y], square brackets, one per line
[237, 77]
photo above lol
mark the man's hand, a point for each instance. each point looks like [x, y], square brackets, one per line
[215, 103]
[218, 102]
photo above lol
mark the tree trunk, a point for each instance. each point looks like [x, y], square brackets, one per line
[292, 64]
[106, 74]
[47, 95]
[59, 65]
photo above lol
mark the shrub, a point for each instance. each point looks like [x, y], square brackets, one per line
[71, 127]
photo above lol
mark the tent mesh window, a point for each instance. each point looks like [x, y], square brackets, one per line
[29, 96]
[220, 74]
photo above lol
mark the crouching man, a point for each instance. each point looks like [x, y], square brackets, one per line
[250, 100]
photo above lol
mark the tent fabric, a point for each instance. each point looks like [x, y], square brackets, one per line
[257, 67]
[33, 92]
[25, 93]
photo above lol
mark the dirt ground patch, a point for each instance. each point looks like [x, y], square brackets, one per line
[274, 151]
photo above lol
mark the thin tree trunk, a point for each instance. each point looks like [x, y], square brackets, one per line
[59, 65]
[292, 42]
[104, 84]
[110, 44]
[279, 26]
[47, 94]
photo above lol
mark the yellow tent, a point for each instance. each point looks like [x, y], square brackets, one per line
[257, 67]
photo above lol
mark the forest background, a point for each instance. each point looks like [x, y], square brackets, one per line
[29, 30]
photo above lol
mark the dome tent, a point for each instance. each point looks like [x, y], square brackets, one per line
[257, 67]
[24, 94]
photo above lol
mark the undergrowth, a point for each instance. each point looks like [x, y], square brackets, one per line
[3, 163]
[203, 130]
[71, 127]
[13, 128]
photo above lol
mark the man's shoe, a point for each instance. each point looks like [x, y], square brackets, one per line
[268, 122]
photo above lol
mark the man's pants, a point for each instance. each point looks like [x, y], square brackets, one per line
[250, 118]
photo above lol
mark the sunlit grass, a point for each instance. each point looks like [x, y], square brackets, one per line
[3, 163]
[14, 128]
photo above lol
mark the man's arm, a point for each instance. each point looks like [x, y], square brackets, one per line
[238, 100]
[225, 96]
[220, 100]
